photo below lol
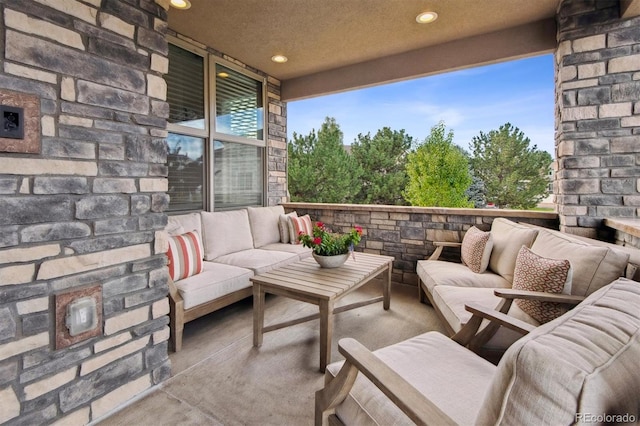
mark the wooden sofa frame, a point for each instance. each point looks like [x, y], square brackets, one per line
[178, 316]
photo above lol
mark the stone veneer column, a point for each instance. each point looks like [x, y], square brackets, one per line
[86, 207]
[597, 115]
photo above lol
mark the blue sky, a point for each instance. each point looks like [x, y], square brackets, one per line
[468, 101]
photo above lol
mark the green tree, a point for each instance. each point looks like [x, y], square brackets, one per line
[514, 174]
[320, 170]
[438, 172]
[383, 159]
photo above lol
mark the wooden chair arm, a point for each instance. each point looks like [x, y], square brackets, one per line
[500, 318]
[440, 245]
[509, 293]
[415, 405]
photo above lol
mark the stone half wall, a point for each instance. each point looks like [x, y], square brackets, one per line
[276, 150]
[597, 116]
[83, 207]
[408, 233]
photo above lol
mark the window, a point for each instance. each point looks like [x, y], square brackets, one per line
[185, 158]
[237, 180]
[216, 145]
[239, 109]
[185, 88]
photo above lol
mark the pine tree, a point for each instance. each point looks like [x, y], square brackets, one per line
[383, 159]
[514, 174]
[320, 170]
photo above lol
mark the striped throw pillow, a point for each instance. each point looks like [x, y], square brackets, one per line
[185, 255]
[297, 225]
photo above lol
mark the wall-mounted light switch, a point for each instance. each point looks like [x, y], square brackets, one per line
[11, 122]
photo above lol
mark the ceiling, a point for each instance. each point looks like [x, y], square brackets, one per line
[336, 45]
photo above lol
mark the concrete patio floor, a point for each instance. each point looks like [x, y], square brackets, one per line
[219, 378]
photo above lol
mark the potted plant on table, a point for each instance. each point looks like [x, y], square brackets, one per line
[330, 249]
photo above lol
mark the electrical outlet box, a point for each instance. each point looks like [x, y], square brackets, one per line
[78, 315]
[82, 315]
[11, 122]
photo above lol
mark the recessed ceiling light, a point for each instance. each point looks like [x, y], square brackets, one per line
[426, 17]
[181, 4]
[280, 59]
[223, 74]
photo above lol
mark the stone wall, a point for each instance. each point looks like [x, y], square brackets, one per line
[597, 116]
[276, 150]
[408, 233]
[84, 206]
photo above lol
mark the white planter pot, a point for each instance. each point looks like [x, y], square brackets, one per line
[331, 261]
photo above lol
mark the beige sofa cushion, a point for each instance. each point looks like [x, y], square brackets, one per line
[225, 232]
[264, 224]
[451, 300]
[507, 238]
[440, 272]
[585, 361]
[432, 363]
[258, 260]
[302, 251]
[216, 280]
[592, 266]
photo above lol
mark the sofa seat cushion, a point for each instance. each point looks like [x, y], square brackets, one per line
[302, 251]
[451, 301]
[439, 272]
[264, 224]
[215, 280]
[225, 232]
[431, 363]
[593, 266]
[585, 361]
[507, 238]
[258, 260]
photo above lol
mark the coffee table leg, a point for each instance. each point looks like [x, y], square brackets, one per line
[386, 289]
[258, 314]
[326, 333]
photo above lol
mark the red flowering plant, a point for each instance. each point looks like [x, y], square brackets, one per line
[327, 243]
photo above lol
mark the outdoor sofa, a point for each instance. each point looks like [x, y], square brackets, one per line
[449, 286]
[581, 367]
[218, 252]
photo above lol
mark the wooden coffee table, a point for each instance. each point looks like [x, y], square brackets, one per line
[308, 282]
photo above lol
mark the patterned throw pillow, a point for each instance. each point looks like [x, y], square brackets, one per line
[537, 273]
[185, 255]
[476, 249]
[297, 225]
[283, 227]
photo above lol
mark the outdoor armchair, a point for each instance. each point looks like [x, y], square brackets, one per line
[580, 365]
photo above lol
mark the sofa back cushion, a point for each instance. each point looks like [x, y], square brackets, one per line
[264, 224]
[507, 238]
[584, 362]
[593, 266]
[225, 232]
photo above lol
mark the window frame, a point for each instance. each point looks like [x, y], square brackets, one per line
[209, 132]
